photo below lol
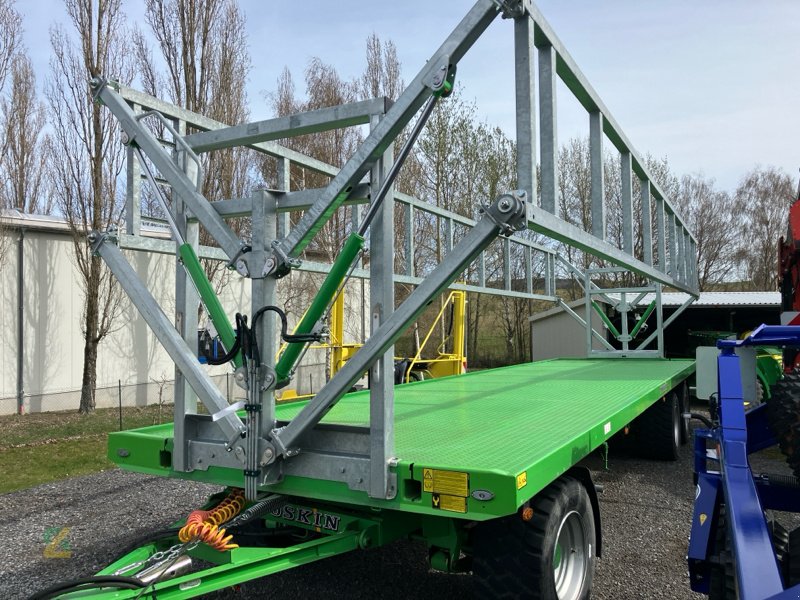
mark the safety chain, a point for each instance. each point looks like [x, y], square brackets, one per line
[160, 557]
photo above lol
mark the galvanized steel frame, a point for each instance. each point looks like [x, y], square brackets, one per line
[276, 246]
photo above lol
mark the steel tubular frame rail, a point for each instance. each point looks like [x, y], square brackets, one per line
[264, 265]
[677, 265]
[530, 252]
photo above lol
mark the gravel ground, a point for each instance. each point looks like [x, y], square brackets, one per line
[645, 510]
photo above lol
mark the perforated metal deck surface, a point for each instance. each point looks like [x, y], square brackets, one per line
[509, 419]
[505, 432]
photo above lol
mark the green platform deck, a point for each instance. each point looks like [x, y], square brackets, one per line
[511, 430]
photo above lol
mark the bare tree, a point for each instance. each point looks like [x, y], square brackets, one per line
[324, 87]
[762, 202]
[10, 37]
[22, 118]
[381, 75]
[203, 47]
[10, 44]
[87, 158]
[711, 217]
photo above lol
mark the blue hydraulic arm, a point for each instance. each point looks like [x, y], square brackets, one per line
[735, 434]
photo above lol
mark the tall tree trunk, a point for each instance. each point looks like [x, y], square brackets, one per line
[89, 378]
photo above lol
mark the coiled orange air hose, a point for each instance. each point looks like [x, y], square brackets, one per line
[204, 524]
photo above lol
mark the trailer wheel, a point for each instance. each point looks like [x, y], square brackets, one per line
[659, 429]
[780, 543]
[793, 559]
[783, 415]
[722, 579]
[552, 555]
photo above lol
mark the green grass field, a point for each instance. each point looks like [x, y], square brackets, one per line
[43, 447]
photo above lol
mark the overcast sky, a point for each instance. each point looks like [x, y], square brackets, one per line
[713, 84]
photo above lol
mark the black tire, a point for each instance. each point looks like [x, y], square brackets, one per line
[658, 429]
[780, 543]
[783, 415]
[761, 393]
[722, 576]
[792, 562]
[550, 556]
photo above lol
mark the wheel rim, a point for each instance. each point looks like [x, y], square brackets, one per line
[676, 423]
[570, 557]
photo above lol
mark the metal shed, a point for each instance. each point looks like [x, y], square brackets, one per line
[554, 333]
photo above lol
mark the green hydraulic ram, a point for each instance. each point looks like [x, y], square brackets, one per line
[643, 319]
[209, 299]
[353, 245]
[196, 273]
[605, 319]
[327, 291]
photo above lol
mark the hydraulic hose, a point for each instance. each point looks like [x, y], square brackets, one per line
[87, 583]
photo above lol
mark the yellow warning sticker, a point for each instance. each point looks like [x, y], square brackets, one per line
[447, 502]
[451, 483]
[522, 480]
[703, 517]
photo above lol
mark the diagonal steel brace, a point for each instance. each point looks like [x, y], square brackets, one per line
[504, 216]
[221, 412]
[399, 115]
[143, 138]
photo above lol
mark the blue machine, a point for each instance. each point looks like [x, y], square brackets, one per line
[731, 550]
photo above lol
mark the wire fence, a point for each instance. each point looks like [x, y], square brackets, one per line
[156, 392]
[495, 350]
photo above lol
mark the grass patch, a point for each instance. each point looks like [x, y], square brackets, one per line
[26, 466]
[43, 447]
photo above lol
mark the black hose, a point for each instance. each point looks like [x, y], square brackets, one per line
[781, 480]
[246, 338]
[256, 510]
[452, 314]
[98, 581]
[705, 420]
[285, 336]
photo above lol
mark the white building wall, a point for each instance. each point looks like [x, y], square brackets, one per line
[131, 361]
[8, 319]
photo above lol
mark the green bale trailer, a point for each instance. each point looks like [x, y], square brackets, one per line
[484, 467]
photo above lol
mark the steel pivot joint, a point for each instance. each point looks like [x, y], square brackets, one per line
[443, 78]
[508, 212]
[280, 264]
[513, 9]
